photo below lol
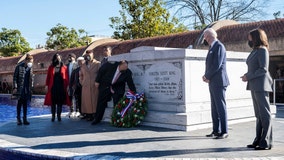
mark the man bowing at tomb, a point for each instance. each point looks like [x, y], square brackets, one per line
[111, 81]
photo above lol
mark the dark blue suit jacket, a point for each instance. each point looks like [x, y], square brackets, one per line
[215, 70]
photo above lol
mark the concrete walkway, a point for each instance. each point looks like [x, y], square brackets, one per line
[78, 139]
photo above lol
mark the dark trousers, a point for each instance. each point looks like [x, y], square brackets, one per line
[58, 109]
[72, 105]
[116, 98]
[78, 101]
[218, 109]
[262, 112]
[104, 97]
[24, 103]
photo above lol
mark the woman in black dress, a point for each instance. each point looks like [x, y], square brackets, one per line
[57, 82]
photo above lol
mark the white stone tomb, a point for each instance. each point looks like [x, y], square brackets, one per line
[177, 97]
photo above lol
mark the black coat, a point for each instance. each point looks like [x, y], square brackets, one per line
[19, 77]
[74, 82]
[105, 76]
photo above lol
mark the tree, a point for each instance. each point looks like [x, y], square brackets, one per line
[143, 18]
[200, 13]
[12, 43]
[277, 15]
[61, 37]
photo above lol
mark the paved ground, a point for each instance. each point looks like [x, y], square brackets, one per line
[78, 139]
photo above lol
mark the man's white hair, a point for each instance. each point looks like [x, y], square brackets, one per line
[211, 32]
[80, 59]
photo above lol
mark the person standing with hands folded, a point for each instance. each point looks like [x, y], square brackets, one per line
[259, 83]
[57, 81]
[217, 79]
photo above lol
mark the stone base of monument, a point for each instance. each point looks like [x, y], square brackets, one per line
[177, 97]
[238, 111]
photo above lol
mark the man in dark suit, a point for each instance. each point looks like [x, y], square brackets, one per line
[111, 81]
[107, 54]
[217, 78]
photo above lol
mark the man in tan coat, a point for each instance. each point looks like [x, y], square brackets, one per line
[88, 74]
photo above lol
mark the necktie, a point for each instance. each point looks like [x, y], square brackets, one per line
[113, 81]
[115, 78]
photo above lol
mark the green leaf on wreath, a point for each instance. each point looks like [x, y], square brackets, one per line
[134, 115]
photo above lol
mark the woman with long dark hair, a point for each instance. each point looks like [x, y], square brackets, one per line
[57, 81]
[259, 83]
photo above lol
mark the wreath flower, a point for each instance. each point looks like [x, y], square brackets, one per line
[130, 110]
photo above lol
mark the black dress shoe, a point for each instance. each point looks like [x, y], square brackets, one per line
[213, 134]
[52, 118]
[251, 146]
[261, 148]
[26, 123]
[19, 123]
[222, 136]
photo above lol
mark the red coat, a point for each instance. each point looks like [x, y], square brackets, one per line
[49, 83]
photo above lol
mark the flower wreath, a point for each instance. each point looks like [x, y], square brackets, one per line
[130, 110]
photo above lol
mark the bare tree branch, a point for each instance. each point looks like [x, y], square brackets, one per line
[204, 12]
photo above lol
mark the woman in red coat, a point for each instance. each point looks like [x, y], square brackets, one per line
[57, 81]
